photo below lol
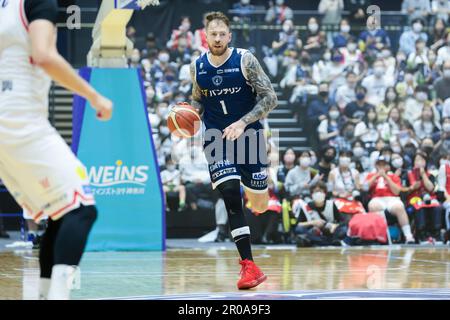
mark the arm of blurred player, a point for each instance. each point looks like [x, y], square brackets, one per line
[45, 55]
[196, 93]
[263, 87]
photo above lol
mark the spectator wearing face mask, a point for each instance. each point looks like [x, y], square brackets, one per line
[422, 200]
[346, 137]
[319, 220]
[384, 189]
[353, 58]
[416, 9]
[325, 165]
[288, 39]
[181, 35]
[302, 177]
[367, 129]
[344, 180]
[443, 54]
[172, 187]
[317, 111]
[340, 40]
[408, 38]
[442, 85]
[315, 40]
[278, 13]
[419, 57]
[379, 145]
[377, 83]
[346, 93]
[166, 88]
[375, 38]
[390, 101]
[328, 128]
[414, 105]
[288, 163]
[361, 158]
[333, 73]
[442, 146]
[425, 126]
[356, 110]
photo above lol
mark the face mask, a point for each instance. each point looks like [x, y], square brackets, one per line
[397, 163]
[348, 134]
[358, 152]
[446, 127]
[135, 59]
[163, 58]
[280, 2]
[446, 73]
[387, 157]
[185, 26]
[305, 162]
[397, 149]
[289, 158]
[345, 28]
[391, 96]
[417, 27]
[337, 58]
[386, 54]
[323, 94]
[170, 78]
[163, 111]
[245, 2]
[327, 56]
[360, 96]
[313, 27]
[351, 47]
[421, 96]
[313, 161]
[318, 197]
[443, 162]
[334, 115]
[344, 161]
[378, 71]
[170, 167]
[286, 28]
[328, 158]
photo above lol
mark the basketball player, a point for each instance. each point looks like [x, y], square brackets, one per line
[226, 84]
[36, 165]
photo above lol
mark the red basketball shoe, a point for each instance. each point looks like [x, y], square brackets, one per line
[251, 275]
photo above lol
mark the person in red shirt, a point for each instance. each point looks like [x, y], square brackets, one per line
[384, 189]
[423, 201]
[200, 42]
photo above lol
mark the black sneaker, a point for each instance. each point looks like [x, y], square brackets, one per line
[37, 242]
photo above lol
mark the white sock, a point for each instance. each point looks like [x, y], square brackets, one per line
[407, 232]
[63, 277]
[44, 286]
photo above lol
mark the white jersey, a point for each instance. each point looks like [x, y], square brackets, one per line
[23, 86]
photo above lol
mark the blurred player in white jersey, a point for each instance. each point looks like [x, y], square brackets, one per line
[36, 165]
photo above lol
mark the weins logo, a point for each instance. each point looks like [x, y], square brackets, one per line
[106, 176]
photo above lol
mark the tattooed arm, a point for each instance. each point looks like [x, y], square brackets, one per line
[263, 87]
[196, 94]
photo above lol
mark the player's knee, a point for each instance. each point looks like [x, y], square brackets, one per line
[231, 194]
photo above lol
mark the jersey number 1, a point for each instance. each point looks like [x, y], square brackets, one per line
[224, 107]
[4, 3]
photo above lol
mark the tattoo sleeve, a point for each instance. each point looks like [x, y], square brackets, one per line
[263, 87]
[196, 93]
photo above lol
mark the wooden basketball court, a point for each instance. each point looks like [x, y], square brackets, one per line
[210, 271]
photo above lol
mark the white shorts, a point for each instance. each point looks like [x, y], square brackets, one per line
[38, 167]
[387, 202]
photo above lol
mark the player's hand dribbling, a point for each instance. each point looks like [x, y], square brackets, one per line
[234, 131]
[103, 107]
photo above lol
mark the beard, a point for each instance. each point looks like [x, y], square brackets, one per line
[218, 51]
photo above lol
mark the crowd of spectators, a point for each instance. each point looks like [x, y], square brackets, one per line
[377, 119]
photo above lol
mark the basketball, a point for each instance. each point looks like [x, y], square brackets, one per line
[183, 121]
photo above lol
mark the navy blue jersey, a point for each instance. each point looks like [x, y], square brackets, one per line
[226, 95]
